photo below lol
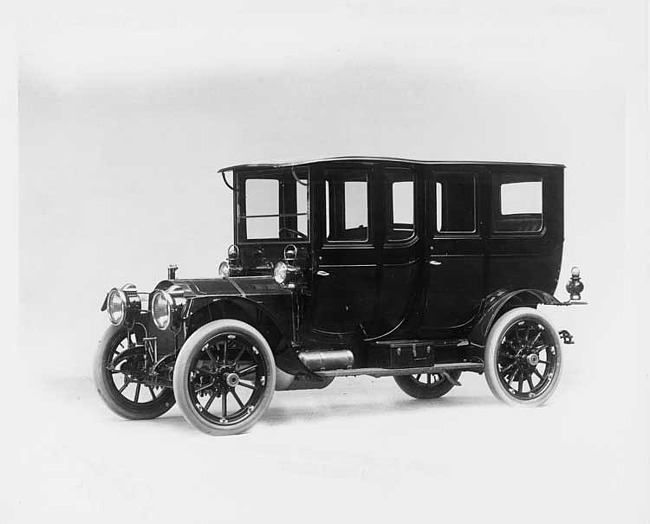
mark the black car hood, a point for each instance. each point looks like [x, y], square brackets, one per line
[235, 286]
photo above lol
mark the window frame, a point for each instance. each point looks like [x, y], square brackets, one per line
[498, 181]
[432, 206]
[327, 186]
[389, 195]
[240, 212]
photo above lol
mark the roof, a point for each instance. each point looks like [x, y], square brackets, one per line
[379, 159]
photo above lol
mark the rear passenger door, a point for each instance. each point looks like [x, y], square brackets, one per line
[455, 272]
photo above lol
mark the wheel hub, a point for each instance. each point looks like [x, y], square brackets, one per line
[532, 359]
[231, 379]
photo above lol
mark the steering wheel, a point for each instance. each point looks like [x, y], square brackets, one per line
[294, 231]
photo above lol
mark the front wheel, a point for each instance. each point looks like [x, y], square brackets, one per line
[120, 376]
[523, 358]
[224, 377]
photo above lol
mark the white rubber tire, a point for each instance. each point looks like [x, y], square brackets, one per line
[493, 345]
[194, 344]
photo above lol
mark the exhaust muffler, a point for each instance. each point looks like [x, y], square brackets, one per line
[327, 360]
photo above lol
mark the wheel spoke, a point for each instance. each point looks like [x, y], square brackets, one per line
[224, 404]
[541, 377]
[239, 355]
[512, 377]
[153, 393]
[126, 383]
[234, 394]
[210, 400]
[417, 377]
[247, 370]
[428, 379]
[204, 387]
[207, 351]
[530, 382]
[508, 367]
[137, 393]
[246, 385]
[518, 336]
[521, 384]
[539, 334]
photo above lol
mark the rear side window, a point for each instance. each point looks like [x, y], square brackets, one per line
[456, 203]
[346, 205]
[400, 202]
[518, 204]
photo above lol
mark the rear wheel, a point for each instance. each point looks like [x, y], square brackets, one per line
[224, 377]
[523, 358]
[119, 369]
[426, 385]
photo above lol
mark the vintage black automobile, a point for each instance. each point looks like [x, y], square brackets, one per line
[352, 266]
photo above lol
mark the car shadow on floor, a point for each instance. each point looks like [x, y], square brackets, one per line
[283, 411]
[78, 394]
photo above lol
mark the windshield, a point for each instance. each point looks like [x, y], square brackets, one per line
[273, 206]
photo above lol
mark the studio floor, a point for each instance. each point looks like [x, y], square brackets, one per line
[360, 449]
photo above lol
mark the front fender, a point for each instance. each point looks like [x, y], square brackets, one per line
[270, 314]
[499, 302]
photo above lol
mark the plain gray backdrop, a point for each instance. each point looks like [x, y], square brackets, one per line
[121, 131]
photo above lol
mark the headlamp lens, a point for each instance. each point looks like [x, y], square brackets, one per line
[224, 269]
[116, 306]
[161, 310]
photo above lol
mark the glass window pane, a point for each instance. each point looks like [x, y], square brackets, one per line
[302, 196]
[456, 203]
[346, 204]
[356, 204]
[401, 226]
[262, 200]
[521, 197]
[519, 205]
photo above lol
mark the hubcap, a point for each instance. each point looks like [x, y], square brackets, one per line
[232, 379]
[532, 359]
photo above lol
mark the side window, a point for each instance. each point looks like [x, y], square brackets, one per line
[346, 194]
[400, 204]
[262, 208]
[456, 203]
[302, 197]
[518, 205]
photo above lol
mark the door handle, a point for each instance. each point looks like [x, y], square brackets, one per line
[322, 273]
[435, 263]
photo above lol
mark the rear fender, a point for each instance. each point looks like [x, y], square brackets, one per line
[497, 303]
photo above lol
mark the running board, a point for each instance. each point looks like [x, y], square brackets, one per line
[476, 367]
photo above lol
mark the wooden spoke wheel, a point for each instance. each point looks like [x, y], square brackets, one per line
[523, 358]
[120, 370]
[224, 377]
[426, 385]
